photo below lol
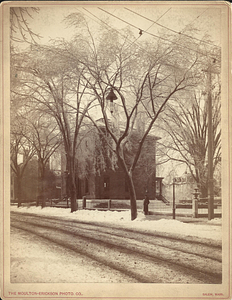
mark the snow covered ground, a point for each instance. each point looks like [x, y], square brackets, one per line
[207, 229]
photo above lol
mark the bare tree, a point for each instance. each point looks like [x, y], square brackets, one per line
[20, 32]
[84, 77]
[141, 81]
[20, 29]
[186, 127]
[21, 152]
[44, 136]
[32, 134]
[47, 79]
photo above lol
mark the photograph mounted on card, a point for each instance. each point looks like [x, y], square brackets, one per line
[116, 137]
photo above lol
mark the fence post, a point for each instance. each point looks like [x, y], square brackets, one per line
[84, 202]
[195, 203]
[67, 202]
[174, 201]
[109, 204]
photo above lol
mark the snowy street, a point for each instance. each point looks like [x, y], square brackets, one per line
[52, 245]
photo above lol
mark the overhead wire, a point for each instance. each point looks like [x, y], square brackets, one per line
[105, 23]
[195, 19]
[156, 36]
[141, 31]
[172, 30]
[131, 42]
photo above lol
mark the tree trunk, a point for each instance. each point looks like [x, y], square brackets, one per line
[43, 204]
[41, 181]
[203, 191]
[19, 191]
[72, 183]
[130, 187]
[73, 197]
[132, 197]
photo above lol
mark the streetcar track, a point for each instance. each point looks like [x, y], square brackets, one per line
[202, 277]
[139, 278]
[71, 229]
[163, 235]
[145, 237]
[212, 277]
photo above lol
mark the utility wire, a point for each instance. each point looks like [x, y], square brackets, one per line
[129, 24]
[93, 16]
[102, 21]
[172, 30]
[163, 14]
[141, 31]
[132, 42]
[124, 36]
[156, 36]
[195, 19]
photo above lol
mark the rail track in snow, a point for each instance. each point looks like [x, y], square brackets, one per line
[138, 255]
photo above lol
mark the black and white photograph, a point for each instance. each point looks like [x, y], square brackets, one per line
[115, 134]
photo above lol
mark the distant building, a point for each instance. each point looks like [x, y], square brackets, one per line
[101, 177]
[184, 188]
[30, 183]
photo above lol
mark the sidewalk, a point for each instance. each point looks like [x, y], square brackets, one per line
[184, 214]
[182, 218]
[157, 209]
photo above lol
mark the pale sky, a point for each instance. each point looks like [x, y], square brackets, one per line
[206, 18]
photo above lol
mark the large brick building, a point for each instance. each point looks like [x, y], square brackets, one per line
[106, 179]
